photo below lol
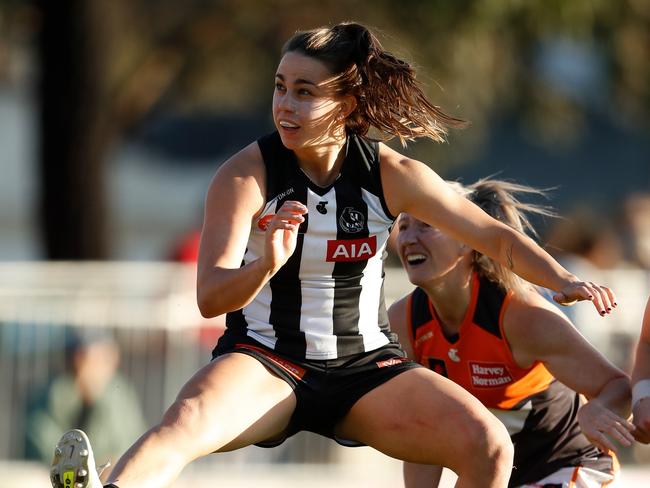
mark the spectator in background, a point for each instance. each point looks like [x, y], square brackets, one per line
[636, 229]
[86, 395]
[588, 245]
[585, 242]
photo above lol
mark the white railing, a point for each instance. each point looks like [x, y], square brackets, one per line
[150, 309]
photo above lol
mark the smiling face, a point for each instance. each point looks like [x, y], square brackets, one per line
[304, 111]
[429, 255]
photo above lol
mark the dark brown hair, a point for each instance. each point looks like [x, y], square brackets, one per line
[388, 96]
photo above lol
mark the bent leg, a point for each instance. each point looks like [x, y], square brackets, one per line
[232, 402]
[422, 417]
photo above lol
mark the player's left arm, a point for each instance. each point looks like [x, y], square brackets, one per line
[641, 382]
[411, 186]
[537, 331]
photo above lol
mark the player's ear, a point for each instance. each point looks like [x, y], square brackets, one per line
[348, 104]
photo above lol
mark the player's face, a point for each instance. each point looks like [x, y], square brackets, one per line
[428, 254]
[304, 111]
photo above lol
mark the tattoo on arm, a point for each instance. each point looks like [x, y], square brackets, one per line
[511, 263]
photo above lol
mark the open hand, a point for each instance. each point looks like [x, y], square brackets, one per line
[602, 297]
[600, 425]
[282, 234]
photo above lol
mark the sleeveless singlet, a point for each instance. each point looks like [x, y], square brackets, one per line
[327, 301]
[539, 412]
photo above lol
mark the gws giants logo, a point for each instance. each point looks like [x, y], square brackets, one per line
[453, 355]
[351, 220]
[351, 249]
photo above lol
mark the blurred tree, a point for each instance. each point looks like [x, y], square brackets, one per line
[74, 129]
[108, 64]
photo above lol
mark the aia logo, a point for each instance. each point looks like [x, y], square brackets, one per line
[351, 220]
[351, 249]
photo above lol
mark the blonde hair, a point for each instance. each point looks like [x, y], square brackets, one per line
[388, 96]
[499, 199]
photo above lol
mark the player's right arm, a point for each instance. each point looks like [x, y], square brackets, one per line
[234, 199]
[538, 332]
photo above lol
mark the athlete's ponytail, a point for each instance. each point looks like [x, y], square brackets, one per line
[499, 200]
[388, 96]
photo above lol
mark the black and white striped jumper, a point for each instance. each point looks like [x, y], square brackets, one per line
[327, 301]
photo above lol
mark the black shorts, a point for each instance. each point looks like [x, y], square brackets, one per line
[325, 390]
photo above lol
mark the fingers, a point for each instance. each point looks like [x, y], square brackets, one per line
[602, 427]
[621, 432]
[293, 206]
[601, 441]
[602, 297]
[602, 301]
[289, 216]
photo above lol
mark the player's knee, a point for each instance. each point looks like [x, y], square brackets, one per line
[488, 440]
[184, 415]
[500, 447]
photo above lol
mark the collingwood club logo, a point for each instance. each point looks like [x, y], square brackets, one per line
[351, 220]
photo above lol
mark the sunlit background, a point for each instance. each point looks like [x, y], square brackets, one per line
[114, 115]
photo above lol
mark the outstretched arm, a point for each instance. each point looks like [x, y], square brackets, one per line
[537, 331]
[410, 186]
[641, 382]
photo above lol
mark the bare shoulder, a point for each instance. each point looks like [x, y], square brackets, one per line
[409, 184]
[533, 326]
[244, 164]
[241, 177]
[531, 312]
[393, 160]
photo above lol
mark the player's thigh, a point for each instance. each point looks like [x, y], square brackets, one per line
[419, 416]
[233, 397]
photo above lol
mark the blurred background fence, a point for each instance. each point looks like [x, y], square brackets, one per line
[149, 310]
